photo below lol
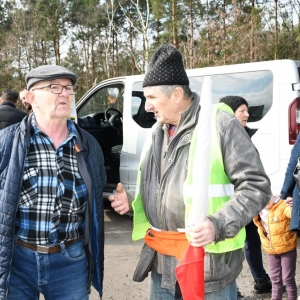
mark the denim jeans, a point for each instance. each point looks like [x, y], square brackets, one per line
[227, 293]
[156, 291]
[58, 276]
[253, 253]
[159, 293]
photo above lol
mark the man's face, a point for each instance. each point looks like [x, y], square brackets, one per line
[111, 99]
[164, 108]
[242, 114]
[22, 96]
[47, 105]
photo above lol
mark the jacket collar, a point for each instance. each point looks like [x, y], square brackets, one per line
[8, 104]
[250, 131]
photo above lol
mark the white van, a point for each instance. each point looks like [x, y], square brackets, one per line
[113, 112]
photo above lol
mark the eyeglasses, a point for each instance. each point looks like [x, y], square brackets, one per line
[57, 88]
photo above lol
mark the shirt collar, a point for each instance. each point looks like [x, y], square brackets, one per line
[72, 129]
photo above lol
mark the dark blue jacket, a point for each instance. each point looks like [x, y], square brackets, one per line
[10, 115]
[290, 187]
[14, 144]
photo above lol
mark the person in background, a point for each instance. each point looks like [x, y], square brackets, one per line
[25, 103]
[280, 243]
[253, 252]
[51, 205]
[9, 113]
[111, 99]
[161, 189]
[290, 191]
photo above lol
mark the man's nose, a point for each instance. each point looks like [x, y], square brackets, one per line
[148, 106]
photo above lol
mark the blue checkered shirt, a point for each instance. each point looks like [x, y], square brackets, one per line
[53, 195]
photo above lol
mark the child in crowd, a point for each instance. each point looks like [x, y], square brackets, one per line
[280, 243]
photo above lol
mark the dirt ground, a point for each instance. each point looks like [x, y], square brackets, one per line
[121, 256]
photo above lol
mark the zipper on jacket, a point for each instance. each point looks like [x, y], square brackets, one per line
[27, 123]
[270, 243]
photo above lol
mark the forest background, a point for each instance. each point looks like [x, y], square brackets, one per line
[108, 38]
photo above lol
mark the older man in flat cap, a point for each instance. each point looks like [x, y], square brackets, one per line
[51, 206]
[165, 178]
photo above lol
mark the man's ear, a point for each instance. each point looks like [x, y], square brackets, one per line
[178, 93]
[29, 97]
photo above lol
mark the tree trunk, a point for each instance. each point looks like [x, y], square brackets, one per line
[174, 29]
[276, 30]
[252, 31]
[224, 32]
[191, 42]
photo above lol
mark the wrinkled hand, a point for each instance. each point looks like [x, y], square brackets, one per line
[289, 201]
[202, 233]
[119, 200]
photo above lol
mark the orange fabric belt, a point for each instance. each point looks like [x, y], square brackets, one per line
[171, 243]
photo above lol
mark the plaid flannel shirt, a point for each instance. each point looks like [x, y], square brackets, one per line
[53, 194]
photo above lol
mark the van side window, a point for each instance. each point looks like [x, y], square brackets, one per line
[256, 87]
[138, 113]
[102, 99]
[135, 104]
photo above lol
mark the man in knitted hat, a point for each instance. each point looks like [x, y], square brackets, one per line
[52, 177]
[163, 190]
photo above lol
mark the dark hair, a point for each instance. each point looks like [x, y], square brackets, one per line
[234, 102]
[9, 95]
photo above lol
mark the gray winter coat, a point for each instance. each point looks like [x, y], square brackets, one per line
[162, 194]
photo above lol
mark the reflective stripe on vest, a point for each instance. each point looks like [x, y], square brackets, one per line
[214, 190]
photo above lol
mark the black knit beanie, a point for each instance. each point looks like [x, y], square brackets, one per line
[166, 68]
[234, 102]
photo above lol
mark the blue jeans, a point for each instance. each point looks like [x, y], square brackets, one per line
[156, 291]
[227, 293]
[58, 276]
[253, 253]
[159, 293]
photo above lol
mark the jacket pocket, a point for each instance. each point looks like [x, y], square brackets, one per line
[29, 188]
[216, 267]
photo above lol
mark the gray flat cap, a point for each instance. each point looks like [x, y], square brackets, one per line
[48, 72]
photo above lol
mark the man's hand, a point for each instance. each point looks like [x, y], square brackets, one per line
[119, 200]
[202, 233]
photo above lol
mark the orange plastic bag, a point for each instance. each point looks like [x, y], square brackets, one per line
[190, 273]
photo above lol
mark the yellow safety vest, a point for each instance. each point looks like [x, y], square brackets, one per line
[220, 189]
